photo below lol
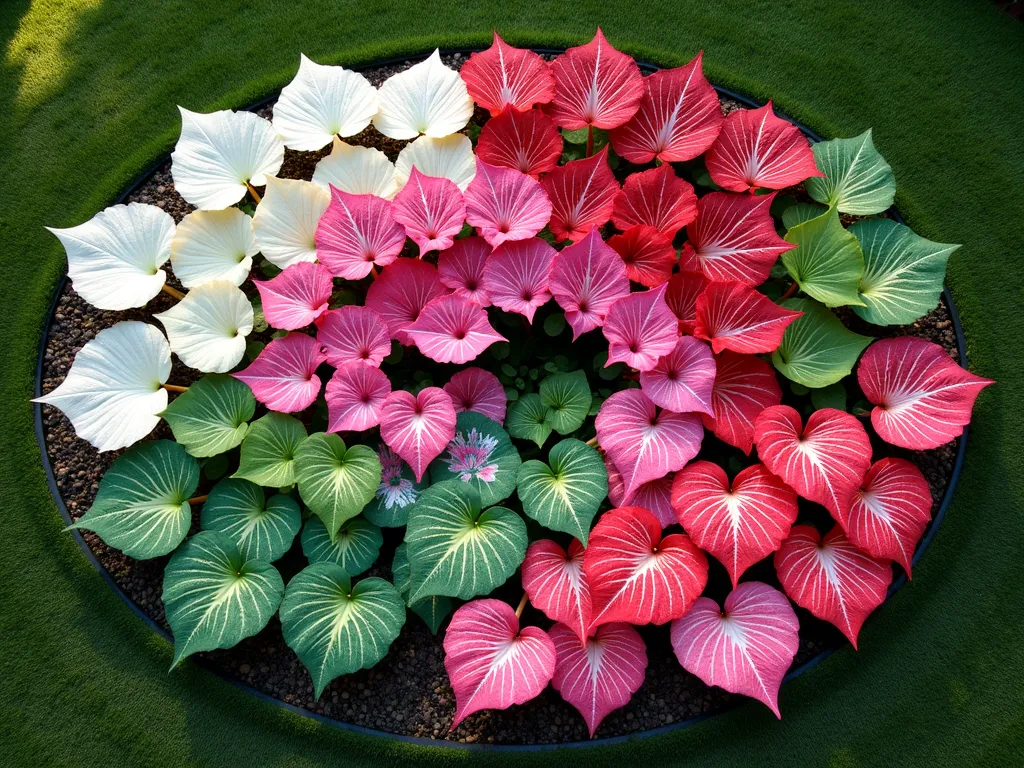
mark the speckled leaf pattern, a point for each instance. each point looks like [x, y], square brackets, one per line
[857, 179]
[480, 456]
[354, 549]
[817, 349]
[269, 449]
[335, 482]
[212, 416]
[263, 529]
[564, 494]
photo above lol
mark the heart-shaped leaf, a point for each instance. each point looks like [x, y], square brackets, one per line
[564, 494]
[335, 482]
[744, 386]
[528, 419]
[586, 278]
[640, 328]
[827, 262]
[657, 198]
[734, 316]
[528, 142]
[567, 397]
[355, 397]
[452, 329]
[269, 450]
[582, 195]
[418, 427]
[431, 210]
[461, 268]
[262, 529]
[450, 157]
[207, 328]
[474, 389]
[397, 492]
[354, 549]
[817, 349]
[283, 376]
[648, 254]
[682, 380]
[503, 76]
[213, 245]
[555, 583]
[427, 98]
[357, 170]
[681, 296]
[357, 232]
[354, 334]
[297, 297]
[505, 204]
[434, 609]
[285, 222]
[480, 455]
[212, 416]
[516, 276]
[655, 495]
[401, 291]
[856, 180]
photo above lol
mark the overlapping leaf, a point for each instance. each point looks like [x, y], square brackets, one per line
[640, 329]
[418, 427]
[434, 609]
[296, 297]
[503, 76]
[516, 275]
[567, 398]
[827, 261]
[744, 386]
[401, 291]
[354, 334]
[655, 495]
[335, 482]
[528, 142]
[505, 204]
[269, 450]
[657, 198]
[817, 349]
[357, 170]
[586, 278]
[355, 397]
[283, 376]
[450, 157]
[357, 232]
[286, 220]
[263, 529]
[683, 289]
[207, 328]
[648, 254]
[212, 416]
[452, 329]
[213, 245]
[582, 195]
[354, 549]
[856, 180]
[564, 494]
[474, 389]
[555, 583]
[461, 268]
[682, 380]
[734, 316]
[528, 419]
[398, 491]
[479, 455]
[427, 98]
[432, 211]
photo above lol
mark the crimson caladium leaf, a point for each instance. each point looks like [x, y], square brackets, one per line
[452, 329]
[745, 647]
[757, 149]
[648, 254]
[654, 495]
[491, 663]
[744, 386]
[503, 76]
[831, 578]
[586, 278]
[354, 334]
[823, 461]
[582, 194]
[683, 379]
[556, 585]
[734, 316]
[637, 576]
[740, 523]
[516, 275]
[432, 211]
[657, 198]
[505, 204]
[357, 232]
[528, 142]
[461, 268]
[681, 297]
[640, 328]
[418, 427]
[296, 297]
[355, 397]
[678, 119]
[283, 376]
[923, 399]
[401, 291]
[474, 389]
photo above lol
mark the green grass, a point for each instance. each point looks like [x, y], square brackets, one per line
[88, 93]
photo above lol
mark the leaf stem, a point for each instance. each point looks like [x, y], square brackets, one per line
[374, 272]
[174, 388]
[254, 193]
[198, 499]
[172, 291]
[522, 605]
[590, 140]
[791, 291]
[592, 442]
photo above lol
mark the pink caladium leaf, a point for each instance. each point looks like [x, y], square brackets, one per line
[297, 296]
[734, 238]
[432, 211]
[418, 427]
[657, 198]
[582, 195]
[745, 647]
[683, 289]
[595, 85]
[643, 443]
[504, 204]
[401, 291]
[601, 675]
[744, 386]
[635, 575]
[678, 119]
[740, 524]
[654, 495]
[354, 334]
[682, 380]
[355, 397]
[461, 268]
[283, 376]
[491, 663]
[516, 275]
[757, 149]
[452, 329]
[734, 316]
[357, 232]
[640, 329]
[528, 142]
[474, 389]
[586, 278]
[831, 578]
[824, 461]
[923, 399]
[503, 76]
[555, 583]
[648, 254]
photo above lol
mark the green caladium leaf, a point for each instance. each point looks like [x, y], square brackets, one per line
[335, 482]
[397, 492]
[857, 179]
[214, 597]
[355, 548]
[903, 272]
[458, 550]
[565, 494]
[142, 506]
[817, 349]
[481, 456]
[269, 449]
[832, 396]
[262, 529]
[434, 609]
[528, 419]
[212, 415]
[801, 212]
[335, 628]
[567, 397]
[827, 262]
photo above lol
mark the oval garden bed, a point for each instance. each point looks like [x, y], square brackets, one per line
[537, 374]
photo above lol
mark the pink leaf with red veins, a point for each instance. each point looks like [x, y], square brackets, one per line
[654, 495]
[582, 195]
[586, 278]
[555, 584]
[683, 379]
[516, 275]
[745, 648]
[648, 254]
[640, 328]
[297, 297]
[355, 397]
[824, 461]
[683, 289]
[603, 674]
[357, 232]
[432, 211]
[757, 149]
[831, 578]
[528, 142]
[452, 329]
[283, 376]
[354, 334]
[739, 524]
[503, 76]
[491, 663]
[504, 204]
[461, 268]
[657, 198]
[734, 316]
[923, 399]
[418, 427]
[744, 386]
[678, 119]
[635, 575]
[474, 389]
[401, 291]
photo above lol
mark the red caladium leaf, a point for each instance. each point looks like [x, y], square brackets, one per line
[461, 268]
[491, 663]
[746, 647]
[503, 76]
[586, 278]
[640, 328]
[683, 379]
[582, 194]
[357, 232]
[678, 119]
[555, 583]
[296, 297]
[744, 386]
[654, 495]
[401, 291]
[516, 275]
[647, 253]
[504, 204]
[657, 198]
[283, 376]
[595, 85]
[474, 389]
[354, 334]
[432, 211]
[635, 575]
[528, 142]
[355, 397]
[452, 329]
[418, 427]
[601, 675]
[738, 524]
[831, 578]
[757, 149]
[734, 316]
[923, 399]
[681, 297]
[824, 461]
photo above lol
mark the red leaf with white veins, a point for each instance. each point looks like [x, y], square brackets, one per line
[734, 316]
[354, 334]
[683, 289]
[582, 194]
[357, 232]
[452, 329]
[504, 204]
[474, 389]
[528, 142]
[401, 291]
[355, 397]
[654, 495]
[461, 268]
[432, 211]
[640, 328]
[418, 427]
[683, 379]
[657, 198]
[297, 297]
[648, 254]
[555, 584]
[744, 386]
[503, 76]
[283, 376]
[586, 278]
[516, 275]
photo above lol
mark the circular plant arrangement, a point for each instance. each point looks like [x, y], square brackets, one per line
[590, 339]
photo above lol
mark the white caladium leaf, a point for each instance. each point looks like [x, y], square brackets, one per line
[427, 98]
[207, 328]
[263, 529]
[213, 245]
[114, 259]
[112, 395]
[285, 222]
[450, 158]
[357, 170]
[219, 153]
[322, 102]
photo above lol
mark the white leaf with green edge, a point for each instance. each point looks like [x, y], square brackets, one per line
[817, 349]
[480, 456]
[214, 597]
[565, 494]
[335, 628]
[801, 212]
[142, 506]
[567, 397]
[212, 416]
[336, 482]
[857, 179]
[207, 328]
[528, 419]
[397, 492]
[903, 272]
[263, 529]
[827, 262]
[354, 549]
[213, 245]
[269, 449]
[434, 609]
[457, 549]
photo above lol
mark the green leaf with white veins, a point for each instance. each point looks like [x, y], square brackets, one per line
[827, 262]
[567, 397]
[817, 349]
[482, 456]
[354, 549]
[335, 482]
[269, 449]
[566, 495]
[434, 609]
[527, 419]
[262, 529]
[212, 415]
[857, 179]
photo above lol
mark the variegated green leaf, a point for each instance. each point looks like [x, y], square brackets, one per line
[481, 456]
[397, 492]
[567, 397]
[335, 482]
[566, 495]
[212, 415]
[817, 349]
[434, 609]
[528, 419]
[269, 449]
[801, 212]
[354, 549]
[262, 529]
[827, 262]
[857, 179]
